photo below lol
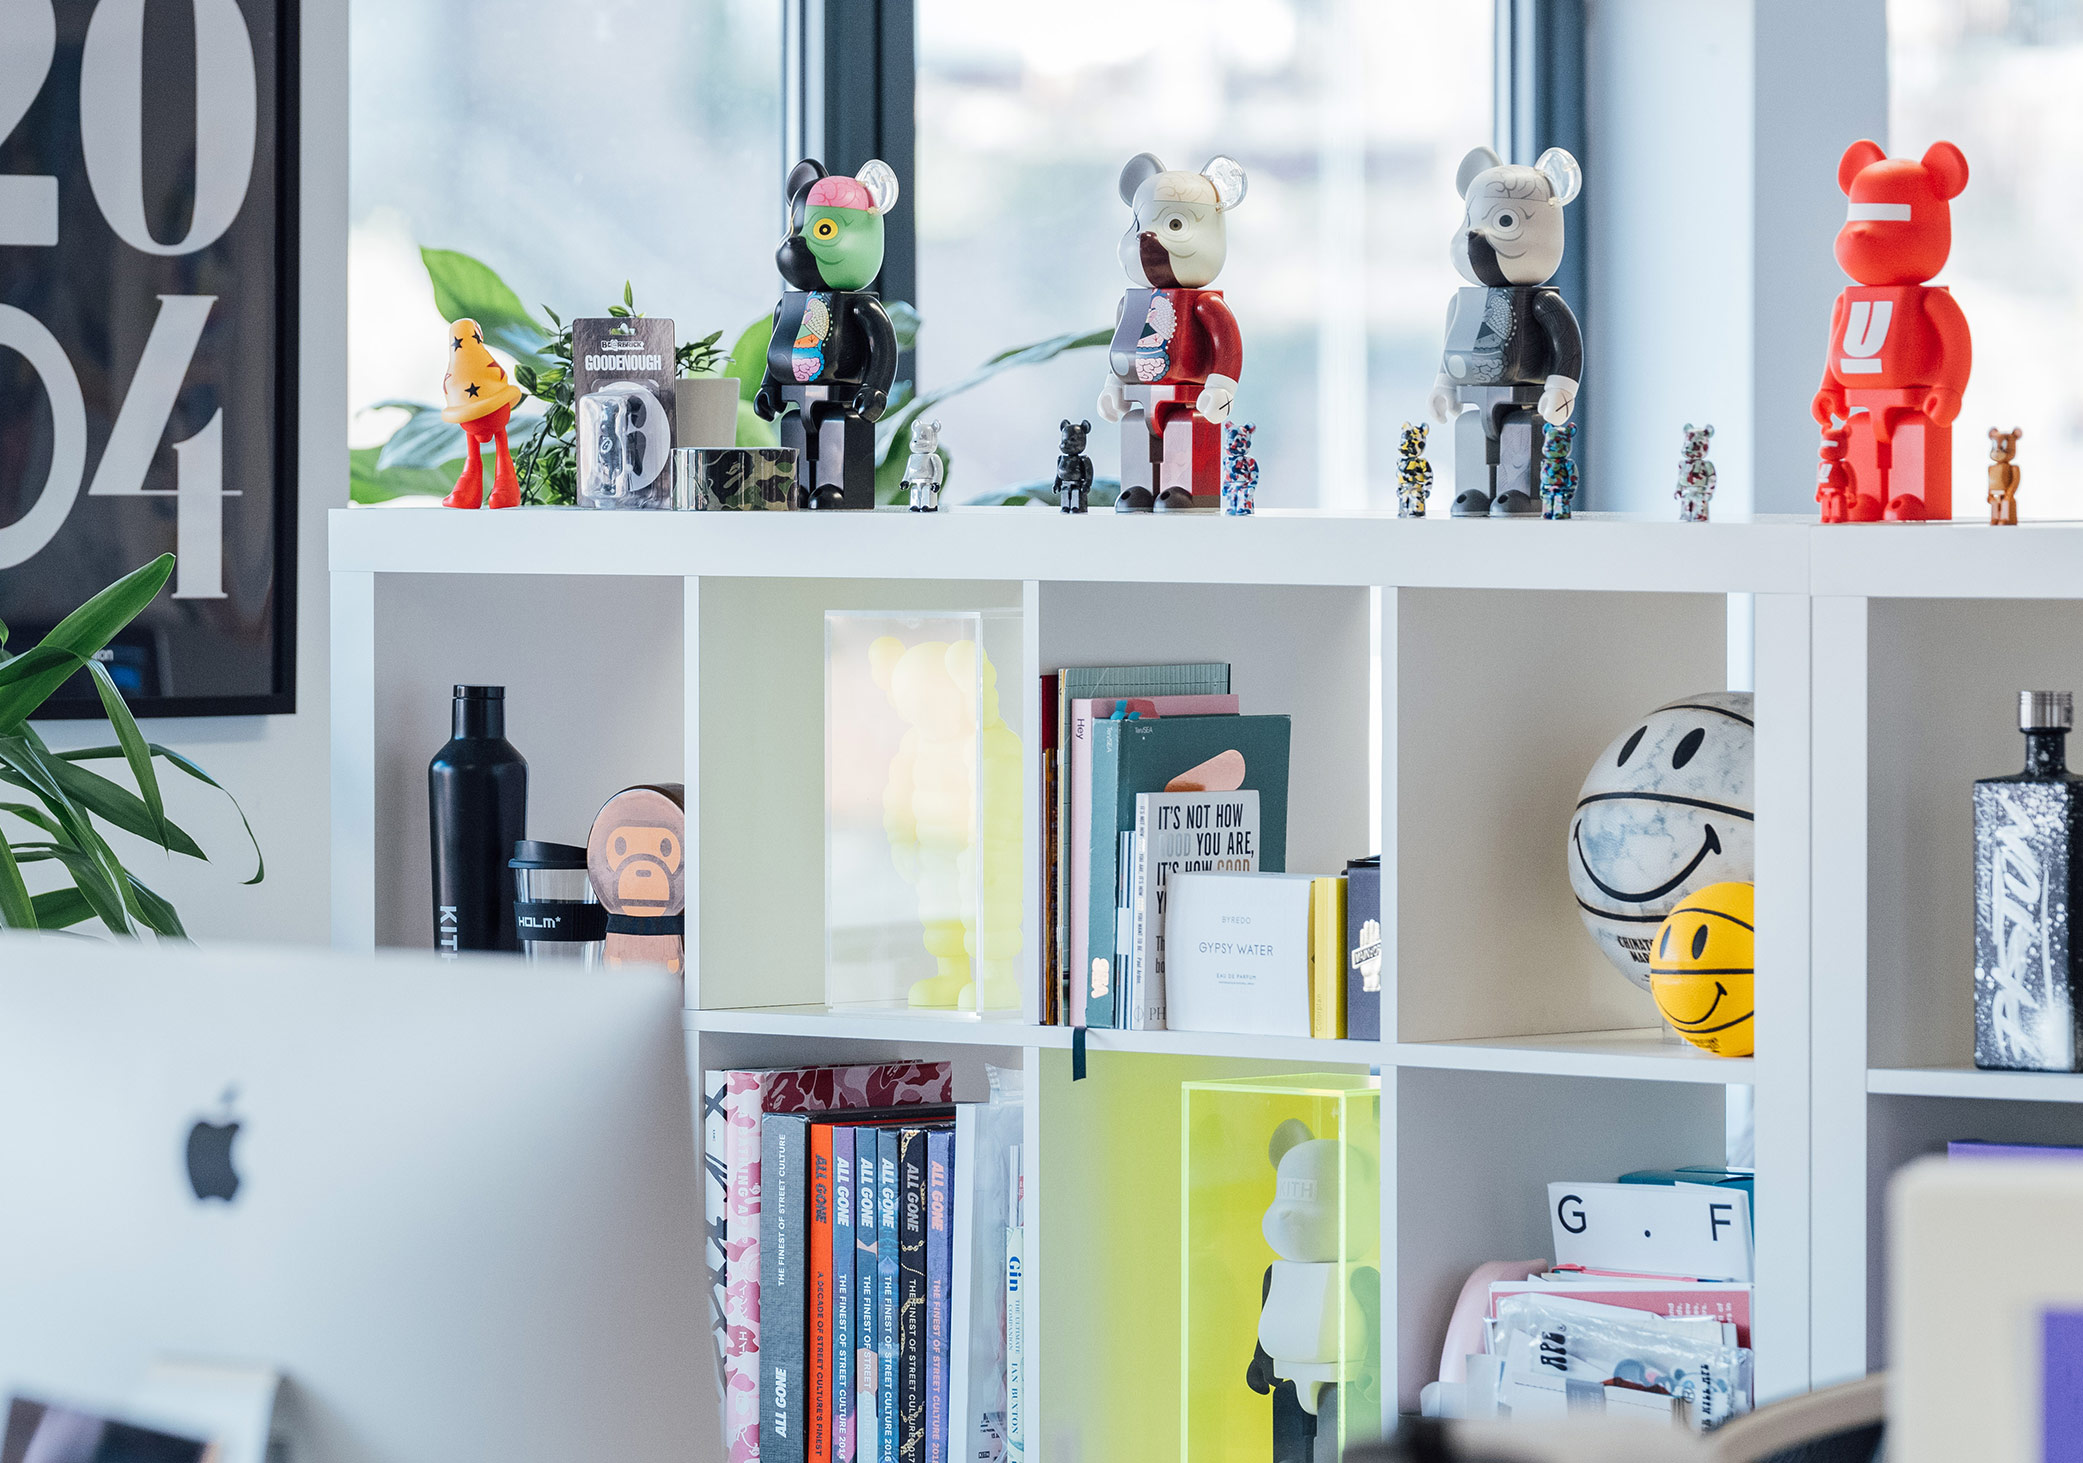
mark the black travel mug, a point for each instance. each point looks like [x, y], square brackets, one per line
[477, 809]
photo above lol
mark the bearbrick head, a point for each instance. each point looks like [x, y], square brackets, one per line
[1176, 238]
[1074, 434]
[1511, 232]
[1898, 227]
[925, 436]
[836, 239]
[2003, 446]
[1313, 1202]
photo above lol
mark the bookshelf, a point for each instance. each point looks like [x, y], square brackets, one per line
[1450, 682]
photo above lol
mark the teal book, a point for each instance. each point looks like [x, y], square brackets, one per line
[1205, 753]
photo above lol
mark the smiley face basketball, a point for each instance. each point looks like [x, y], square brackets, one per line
[1665, 810]
[1702, 971]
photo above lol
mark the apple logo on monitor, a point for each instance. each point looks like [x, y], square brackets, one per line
[210, 1171]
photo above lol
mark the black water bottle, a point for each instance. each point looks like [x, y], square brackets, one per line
[477, 809]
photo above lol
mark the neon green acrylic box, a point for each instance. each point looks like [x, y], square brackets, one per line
[1281, 1295]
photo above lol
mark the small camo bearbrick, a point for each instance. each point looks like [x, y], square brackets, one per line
[1239, 469]
[1413, 472]
[1558, 473]
[1695, 475]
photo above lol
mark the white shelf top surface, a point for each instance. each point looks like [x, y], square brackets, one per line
[1642, 1055]
[1592, 551]
[1973, 1082]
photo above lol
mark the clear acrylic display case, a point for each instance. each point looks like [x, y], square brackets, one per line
[923, 808]
[1282, 1280]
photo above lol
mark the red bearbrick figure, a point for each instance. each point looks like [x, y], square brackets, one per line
[1899, 348]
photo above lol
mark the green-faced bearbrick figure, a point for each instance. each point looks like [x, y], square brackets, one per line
[833, 355]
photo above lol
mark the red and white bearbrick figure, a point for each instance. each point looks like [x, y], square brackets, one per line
[1899, 348]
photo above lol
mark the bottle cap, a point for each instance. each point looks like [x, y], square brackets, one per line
[480, 693]
[2046, 710]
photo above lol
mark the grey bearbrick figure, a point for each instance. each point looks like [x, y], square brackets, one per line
[1513, 351]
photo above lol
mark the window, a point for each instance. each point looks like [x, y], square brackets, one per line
[569, 147]
[2000, 78]
[1350, 120]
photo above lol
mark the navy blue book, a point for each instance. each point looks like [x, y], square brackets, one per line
[867, 1430]
[911, 1295]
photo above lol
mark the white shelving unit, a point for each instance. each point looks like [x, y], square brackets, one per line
[1450, 684]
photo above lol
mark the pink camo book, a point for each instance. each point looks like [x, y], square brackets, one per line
[748, 1096]
[1083, 712]
[1727, 1301]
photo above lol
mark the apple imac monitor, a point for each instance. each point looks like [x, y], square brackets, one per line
[455, 1204]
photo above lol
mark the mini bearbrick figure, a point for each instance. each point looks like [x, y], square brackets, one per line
[1899, 348]
[1833, 480]
[1318, 1305]
[2003, 476]
[1695, 475]
[1558, 472]
[833, 355]
[1413, 472]
[1513, 351]
[923, 470]
[1074, 468]
[1239, 469]
[1176, 355]
[479, 398]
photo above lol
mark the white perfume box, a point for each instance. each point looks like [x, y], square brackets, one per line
[1237, 953]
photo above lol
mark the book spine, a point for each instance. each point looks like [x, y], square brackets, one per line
[887, 1289]
[939, 1261]
[842, 1295]
[1141, 846]
[784, 1157]
[716, 1218]
[1078, 858]
[742, 1141]
[867, 1428]
[1327, 957]
[1015, 1344]
[1052, 947]
[1102, 891]
[911, 1295]
[1363, 955]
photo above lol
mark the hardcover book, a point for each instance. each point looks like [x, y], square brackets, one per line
[1174, 754]
[817, 1326]
[748, 1096]
[1363, 949]
[987, 1139]
[716, 1219]
[843, 1140]
[784, 1249]
[911, 1295]
[887, 1343]
[1240, 953]
[867, 1365]
[1179, 832]
[940, 1153]
[1327, 957]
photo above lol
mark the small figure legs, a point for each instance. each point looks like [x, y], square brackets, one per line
[838, 447]
[470, 484]
[1899, 461]
[1171, 455]
[1496, 452]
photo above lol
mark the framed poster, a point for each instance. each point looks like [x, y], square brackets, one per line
[148, 339]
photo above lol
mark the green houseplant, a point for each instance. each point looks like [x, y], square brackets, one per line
[425, 453]
[70, 801]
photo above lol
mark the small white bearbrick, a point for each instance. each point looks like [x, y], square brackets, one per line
[923, 471]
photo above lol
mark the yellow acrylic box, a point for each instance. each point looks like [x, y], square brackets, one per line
[1282, 1284]
[923, 797]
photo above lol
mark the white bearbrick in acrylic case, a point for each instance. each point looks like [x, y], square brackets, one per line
[923, 774]
[1280, 1320]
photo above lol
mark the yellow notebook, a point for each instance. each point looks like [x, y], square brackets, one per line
[1327, 956]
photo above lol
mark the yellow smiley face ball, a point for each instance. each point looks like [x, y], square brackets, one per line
[1702, 969]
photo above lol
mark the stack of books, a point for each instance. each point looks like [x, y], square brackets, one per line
[866, 1240]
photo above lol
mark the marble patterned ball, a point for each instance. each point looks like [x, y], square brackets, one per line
[1666, 810]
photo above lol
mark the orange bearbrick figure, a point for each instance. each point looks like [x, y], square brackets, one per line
[1899, 348]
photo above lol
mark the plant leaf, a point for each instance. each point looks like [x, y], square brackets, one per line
[92, 754]
[133, 745]
[748, 358]
[34, 817]
[152, 910]
[423, 440]
[464, 286]
[367, 483]
[59, 908]
[17, 910]
[96, 879]
[99, 796]
[81, 633]
[904, 319]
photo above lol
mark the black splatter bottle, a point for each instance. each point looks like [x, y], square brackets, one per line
[2026, 871]
[477, 809]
